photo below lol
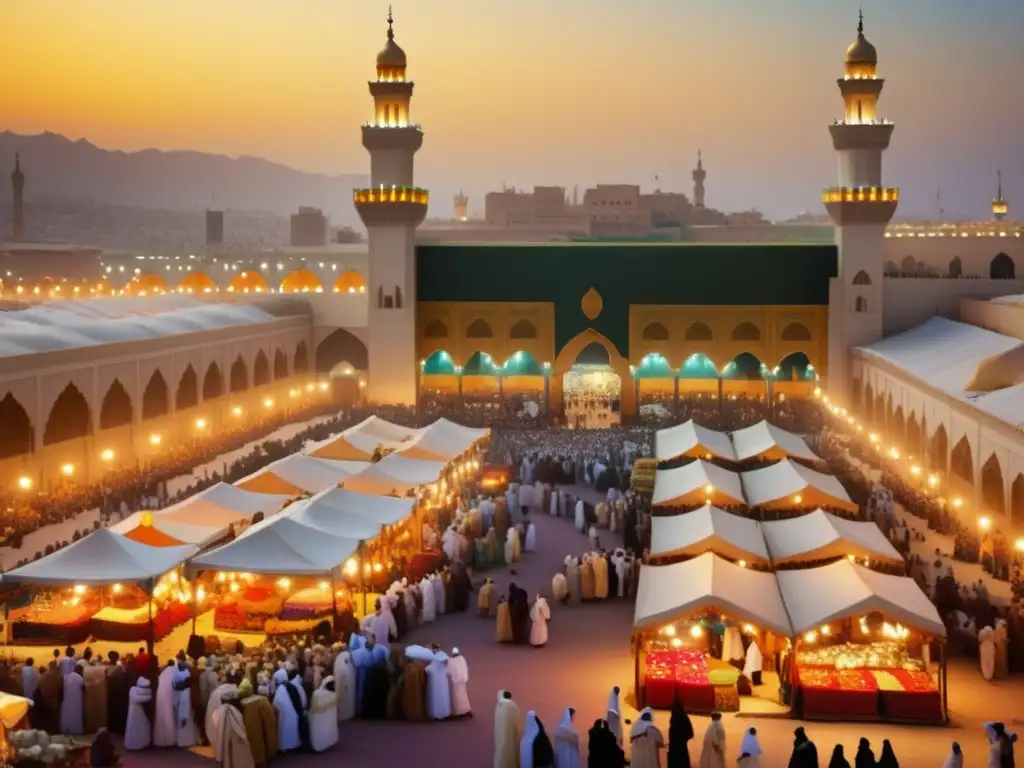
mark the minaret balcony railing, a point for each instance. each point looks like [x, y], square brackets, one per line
[861, 195]
[861, 77]
[414, 126]
[392, 194]
[876, 121]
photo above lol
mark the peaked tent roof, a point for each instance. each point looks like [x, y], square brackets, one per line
[394, 475]
[221, 505]
[821, 536]
[102, 557]
[358, 443]
[297, 474]
[691, 439]
[280, 545]
[689, 483]
[764, 440]
[152, 529]
[778, 485]
[442, 441]
[669, 592]
[842, 590]
[708, 529]
[319, 512]
[384, 510]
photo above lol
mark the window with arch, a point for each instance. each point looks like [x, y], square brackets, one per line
[862, 278]
[956, 268]
[655, 332]
[860, 304]
[1002, 267]
[523, 329]
[698, 332]
[796, 332]
[479, 329]
[746, 332]
[435, 329]
[908, 266]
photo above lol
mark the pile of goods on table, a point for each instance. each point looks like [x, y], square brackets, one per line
[703, 684]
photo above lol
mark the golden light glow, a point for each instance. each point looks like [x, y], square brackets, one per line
[873, 437]
[811, 637]
[302, 281]
[107, 455]
[709, 489]
[79, 589]
[234, 586]
[393, 194]
[798, 499]
[67, 470]
[236, 411]
[324, 586]
[200, 594]
[200, 424]
[742, 563]
[268, 403]
[984, 522]
[310, 387]
[117, 589]
[25, 483]
[676, 642]
[1019, 544]
[860, 195]
[248, 282]
[894, 453]
[350, 281]
[669, 630]
[915, 470]
[352, 567]
[958, 502]
[696, 631]
[749, 629]
[155, 439]
[933, 480]
[324, 386]
[817, 391]
[284, 583]
[826, 630]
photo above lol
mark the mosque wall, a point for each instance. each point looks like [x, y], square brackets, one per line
[967, 253]
[910, 301]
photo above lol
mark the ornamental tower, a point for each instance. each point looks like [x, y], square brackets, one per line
[391, 209]
[861, 207]
[699, 174]
[18, 208]
[461, 207]
[999, 206]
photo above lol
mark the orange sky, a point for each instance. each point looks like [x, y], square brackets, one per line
[533, 91]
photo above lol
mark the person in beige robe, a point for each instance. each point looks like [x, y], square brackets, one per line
[646, 742]
[712, 752]
[414, 691]
[503, 631]
[260, 724]
[485, 599]
[586, 579]
[600, 566]
[1002, 643]
[508, 731]
[95, 676]
[232, 746]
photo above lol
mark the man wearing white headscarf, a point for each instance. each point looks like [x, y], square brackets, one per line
[429, 605]
[323, 716]
[531, 730]
[381, 623]
[540, 615]
[560, 588]
[987, 652]
[646, 742]
[211, 725]
[567, 742]
[439, 697]
[507, 731]
[752, 665]
[458, 676]
[580, 517]
[750, 750]
[288, 707]
[530, 544]
[345, 686]
[613, 715]
[712, 751]
[440, 599]
[511, 545]
[138, 733]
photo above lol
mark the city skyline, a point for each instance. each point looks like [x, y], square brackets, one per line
[654, 84]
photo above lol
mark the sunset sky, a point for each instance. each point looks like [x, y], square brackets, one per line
[539, 91]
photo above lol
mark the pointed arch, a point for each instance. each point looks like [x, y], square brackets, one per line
[187, 395]
[655, 332]
[794, 367]
[69, 418]
[350, 281]
[961, 461]
[239, 375]
[1017, 499]
[249, 281]
[116, 408]
[260, 370]
[992, 495]
[796, 332]
[654, 366]
[856, 395]
[146, 284]
[913, 440]
[435, 329]
[868, 406]
[909, 265]
[698, 366]
[746, 331]
[1002, 267]
[302, 281]
[280, 365]
[440, 363]
[479, 329]
[862, 278]
[523, 329]
[899, 424]
[213, 382]
[341, 346]
[880, 412]
[156, 399]
[522, 363]
[938, 448]
[594, 353]
[15, 428]
[956, 267]
[197, 282]
[301, 364]
[699, 332]
[573, 349]
[744, 366]
[480, 364]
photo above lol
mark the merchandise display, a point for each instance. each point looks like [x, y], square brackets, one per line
[884, 654]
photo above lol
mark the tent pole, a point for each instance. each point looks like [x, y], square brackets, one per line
[334, 604]
[151, 640]
[945, 685]
[195, 607]
[362, 577]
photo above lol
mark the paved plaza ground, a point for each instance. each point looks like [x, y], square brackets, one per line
[587, 654]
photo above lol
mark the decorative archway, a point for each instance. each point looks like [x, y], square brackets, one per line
[913, 440]
[213, 383]
[567, 356]
[868, 408]
[197, 282]
[249, 281]
[794, 367]
[301, 364]
[116, 408]
[341, 346]
[302, 281]
[880, 412]
[69, 418]
[147, 284]
[155, 398]
[1002, 267]
[796, 332]
[961, 461]
[1017, 499]
[938, 449]
[350, 281]
[187, 394]
[745, 366]
[280, 365]
[440, 363]
[992, 495]
[260, 370]
[698, 366]
[899, 426]
[655, 332]
[523, 329]
[239, 375]
[15, 428]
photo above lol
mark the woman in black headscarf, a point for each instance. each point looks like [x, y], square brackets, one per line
[805, 754]
[888, 758]
[680, 732]
[838, 758]
[543, 752]
[603, 751]
[865, 757]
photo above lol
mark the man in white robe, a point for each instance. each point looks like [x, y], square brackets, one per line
[381, 623]
[440, 599]
[507, 732]
[138, 733]
[164, 728]
[581, 519]
[530, 545]
[450, 544]
[211, 725]
[567, 742]
[986, 650]
[29, 679]
[323, 716]
[288, 734]
[752, 666]
[540, 615]
[72, 705]
[613, 715]
[458, 676]
[345, 686]
[185, 730]
[439, 698]
[621, 571]
[429, 606]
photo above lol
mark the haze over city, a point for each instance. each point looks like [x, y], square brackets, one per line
[573, 93]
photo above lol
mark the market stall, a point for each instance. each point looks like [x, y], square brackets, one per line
[696, 484]
[768, 442]
[155, 531]
[298, 474]
[864, 645]
[691, 440]
[791, 487]
[395, 475]
[708, 529]
[820, 536]
[370, 437]
[442, 441]
[223, 505]
[693, 624]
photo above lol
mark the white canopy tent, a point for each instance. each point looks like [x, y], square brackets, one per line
[221, 505]
[297, 474]
[821, 536]
[359, 442]
[394, 475]
[789, 485]
[348, 514]
[186, 533]
[442, 441]
[383, 509]
[280, 545]
[844, 590]
[670, 592]
[102, 557]
[698, 482]
[708, 529]
[693, 440]
[766, 441]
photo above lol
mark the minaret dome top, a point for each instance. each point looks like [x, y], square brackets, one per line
[861, 56]
[391, 55]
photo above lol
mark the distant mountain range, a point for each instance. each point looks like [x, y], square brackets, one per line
[57, 168]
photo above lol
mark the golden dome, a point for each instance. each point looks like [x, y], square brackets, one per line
[861, 52]
[391, 54]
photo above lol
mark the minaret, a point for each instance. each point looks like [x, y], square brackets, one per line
[18, 209]
[699, 174]
[999, 206]
[391, 209]
[461, 207]
[861, 208]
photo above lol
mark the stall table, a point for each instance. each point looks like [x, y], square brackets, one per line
[830, 693]
[916, 699]
[681, 673]
[60, 625]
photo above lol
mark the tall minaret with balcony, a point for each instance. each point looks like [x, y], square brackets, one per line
[999, 206]
[391, 209]
[861, 208]
[699, 174]
[461, 207]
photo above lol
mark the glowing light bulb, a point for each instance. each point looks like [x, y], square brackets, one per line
[25, 483]
[984, 522]
[810, 637]
[200, 423]
[68, 470]
[696, 631]
[155, 439]
[237, 410]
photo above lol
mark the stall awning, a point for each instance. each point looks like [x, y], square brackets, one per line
[708, 529]
[442, 441]
[821, 536]
[281, 546]
[766, 441]
[358, 443]
[696, 483]
[102, 557]
[384, 510]
[151, 529]
[220, 506]
[298, 474]
[844, 590]
[672, 592]
[691, 439]
[778, 487]
[395, 475]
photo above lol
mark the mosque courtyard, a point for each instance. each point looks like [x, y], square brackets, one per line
[587, 654]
